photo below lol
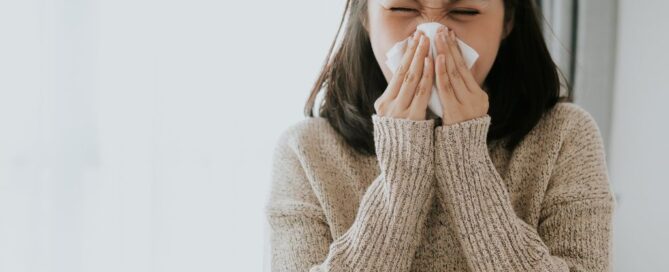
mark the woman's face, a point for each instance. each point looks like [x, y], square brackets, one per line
[478, 23]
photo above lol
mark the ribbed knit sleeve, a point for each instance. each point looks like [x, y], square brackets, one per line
[574, 231]
[390, 219]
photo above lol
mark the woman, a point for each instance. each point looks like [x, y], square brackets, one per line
[512, 177]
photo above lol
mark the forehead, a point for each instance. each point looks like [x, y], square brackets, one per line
[428, 2]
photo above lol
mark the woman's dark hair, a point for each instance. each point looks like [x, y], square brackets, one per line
[522, 84]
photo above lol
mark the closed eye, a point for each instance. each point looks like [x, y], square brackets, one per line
[402, 10]
[468, 12]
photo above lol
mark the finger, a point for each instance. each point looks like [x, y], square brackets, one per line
[466, 75]
[445, 91]
[413, 76]
[459, 88]
[441, 45]
[419, 103]
[443, 79]
[396, 82]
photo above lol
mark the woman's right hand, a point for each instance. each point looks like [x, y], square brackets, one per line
[408, 92]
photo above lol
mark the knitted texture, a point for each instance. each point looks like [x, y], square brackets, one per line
[441, 198]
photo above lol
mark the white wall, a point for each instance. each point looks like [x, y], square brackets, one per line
[639, 150]
[136, 135]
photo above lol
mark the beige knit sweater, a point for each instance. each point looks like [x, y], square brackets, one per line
[441, 199]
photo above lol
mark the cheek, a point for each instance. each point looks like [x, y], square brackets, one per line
[487, 56]
[383, 35]
[486, 43]
[380, 45]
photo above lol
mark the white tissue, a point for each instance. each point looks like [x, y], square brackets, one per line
[394, 58]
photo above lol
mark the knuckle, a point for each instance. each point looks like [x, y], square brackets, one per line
[425, 75]
[442, 72]
[454, 74]
[460, 63]
[427, 90]
[444, 88]
[410, 76]
[420, 91]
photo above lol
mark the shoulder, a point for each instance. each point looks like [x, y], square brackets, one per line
[567, 113]
[567, 121]
[565, 131]
[292, 176]
[570, 137]
[312, 138]
[310, 132]
[312, 150]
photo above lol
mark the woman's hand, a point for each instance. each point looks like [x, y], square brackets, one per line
[408, 92]
[460, 95]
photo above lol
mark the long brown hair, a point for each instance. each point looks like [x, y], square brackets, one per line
[522, 84]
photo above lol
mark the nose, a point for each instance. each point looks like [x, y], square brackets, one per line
[437, 18]
[434, 14]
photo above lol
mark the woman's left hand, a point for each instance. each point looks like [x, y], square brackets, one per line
[461, 97]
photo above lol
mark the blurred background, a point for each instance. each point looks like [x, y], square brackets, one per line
[137, 135]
